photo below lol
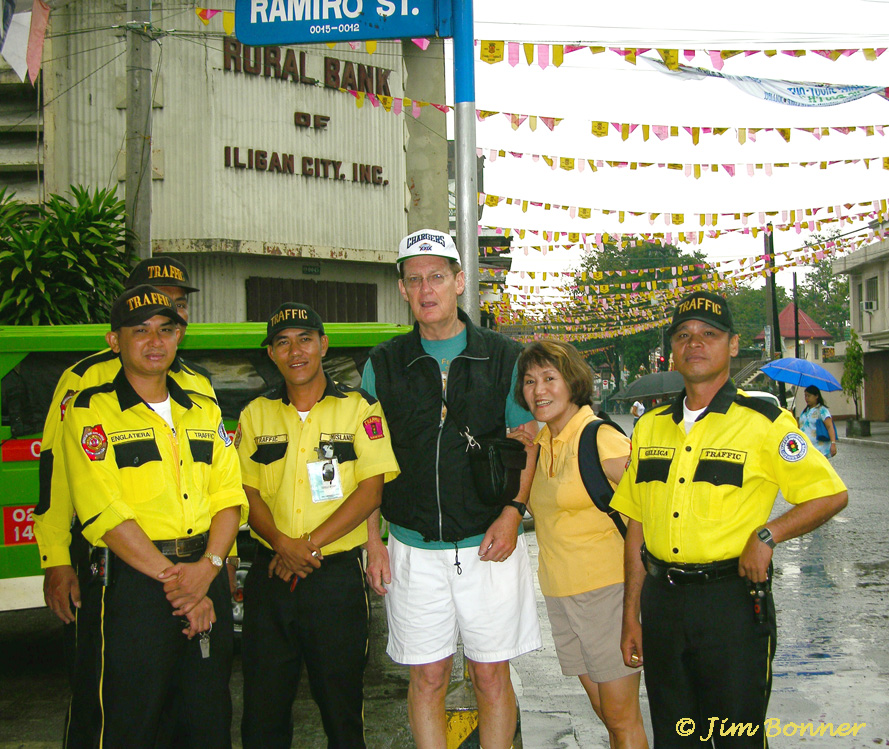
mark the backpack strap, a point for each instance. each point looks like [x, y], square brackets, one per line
[594, 479]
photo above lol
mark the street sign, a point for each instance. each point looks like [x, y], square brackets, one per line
[264, 22]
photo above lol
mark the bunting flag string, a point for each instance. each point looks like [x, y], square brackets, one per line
[493, 52]
[799, 219]
[695, 169]
[602, 129]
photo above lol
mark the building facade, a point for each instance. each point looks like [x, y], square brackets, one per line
[268, 181]
[868, 271]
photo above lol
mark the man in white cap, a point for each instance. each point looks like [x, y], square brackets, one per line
[434, 383]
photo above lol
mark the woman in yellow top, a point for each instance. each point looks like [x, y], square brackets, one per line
[581, 551]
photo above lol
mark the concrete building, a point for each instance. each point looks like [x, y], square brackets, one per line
[868, 271]
[268, 181]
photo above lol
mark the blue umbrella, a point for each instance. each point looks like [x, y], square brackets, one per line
[801, 372]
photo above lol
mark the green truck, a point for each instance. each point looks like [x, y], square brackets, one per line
[33, 358]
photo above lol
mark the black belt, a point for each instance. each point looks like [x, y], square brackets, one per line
[689, 574]
[343, 556]
[182, 547]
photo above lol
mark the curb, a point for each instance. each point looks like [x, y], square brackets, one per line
[857, 441]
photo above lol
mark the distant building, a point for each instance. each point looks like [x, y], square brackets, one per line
[868, 271]
[813, 338]
[269, 182]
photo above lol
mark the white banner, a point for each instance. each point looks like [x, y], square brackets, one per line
[792, 93]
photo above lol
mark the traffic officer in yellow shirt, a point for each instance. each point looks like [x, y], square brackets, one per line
[54, 513]
[314, 457]
[702, 479]
[158, 490]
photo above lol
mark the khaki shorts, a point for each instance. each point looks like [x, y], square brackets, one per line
[586, 630]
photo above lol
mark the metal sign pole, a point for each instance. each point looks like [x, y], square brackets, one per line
[464, 154]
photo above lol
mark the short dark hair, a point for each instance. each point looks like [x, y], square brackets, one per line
[563, 357]
[452, 264]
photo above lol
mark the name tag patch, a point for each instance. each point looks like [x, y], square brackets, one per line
[200, 434]
[656, 453]
[270, 439]
[117, 438]
[724, 456]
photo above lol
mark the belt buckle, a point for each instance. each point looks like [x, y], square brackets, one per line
[681, 573]
[182, 552]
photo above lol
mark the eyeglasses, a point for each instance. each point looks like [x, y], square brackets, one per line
[435, 280]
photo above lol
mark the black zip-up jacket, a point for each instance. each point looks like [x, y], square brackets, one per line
[435, 494]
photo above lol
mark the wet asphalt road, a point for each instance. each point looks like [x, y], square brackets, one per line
[832, 662]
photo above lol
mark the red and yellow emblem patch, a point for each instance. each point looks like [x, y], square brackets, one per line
[373, 425]
[94, 442]
[63, 406]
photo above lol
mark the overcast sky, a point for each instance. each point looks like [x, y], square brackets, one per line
[604, 87]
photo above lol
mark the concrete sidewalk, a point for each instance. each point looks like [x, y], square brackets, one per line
[879, 435]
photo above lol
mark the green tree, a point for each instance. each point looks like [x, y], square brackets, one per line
[825, 298]
[643, 256]
[853, 371]
[63, 262]
[749, 308]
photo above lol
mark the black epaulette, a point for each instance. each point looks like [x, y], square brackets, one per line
[194, 368]
[83, 365]
[769, 410]
[363, 393]
[82, 399]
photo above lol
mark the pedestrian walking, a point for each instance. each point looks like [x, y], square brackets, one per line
[817, 423]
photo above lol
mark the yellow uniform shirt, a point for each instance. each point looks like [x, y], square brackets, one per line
[55, 510]
[700, 495]
[580, 547]
[124, 462]
[275, 446]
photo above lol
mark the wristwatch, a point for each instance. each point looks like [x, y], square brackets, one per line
[765, 535]
[519, 506]
[215, 560]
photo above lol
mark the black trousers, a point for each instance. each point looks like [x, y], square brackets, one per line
[708, 663]
[322, 622]
[155, 689]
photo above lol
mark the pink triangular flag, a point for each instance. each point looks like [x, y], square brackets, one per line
[421, 43]
[39, 19]
[543, 56]
[512, 53]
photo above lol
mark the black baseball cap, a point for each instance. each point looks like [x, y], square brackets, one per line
[706, 307]
[160, 271]
[141, 303]
[292, 315]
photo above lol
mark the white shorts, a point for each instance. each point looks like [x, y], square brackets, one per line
[491, 604]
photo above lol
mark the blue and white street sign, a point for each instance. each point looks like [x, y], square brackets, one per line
[262, 22]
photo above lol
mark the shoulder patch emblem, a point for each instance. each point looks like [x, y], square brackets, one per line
[373, 425]
[63, 406]
[238, 436]
[223, 435]
[793, 447]
[94, 442]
